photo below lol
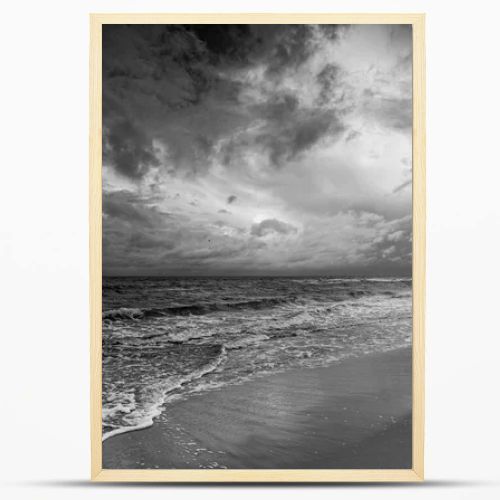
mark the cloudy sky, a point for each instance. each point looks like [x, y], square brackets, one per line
[256, 150]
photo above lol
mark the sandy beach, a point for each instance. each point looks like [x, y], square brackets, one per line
[354, 414]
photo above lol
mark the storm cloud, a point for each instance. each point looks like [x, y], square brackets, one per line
[304, 130]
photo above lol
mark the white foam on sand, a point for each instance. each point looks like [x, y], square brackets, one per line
[141, 418]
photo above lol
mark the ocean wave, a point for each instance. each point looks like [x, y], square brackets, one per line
[123, 313]
[160, 345]
[192, 309]
[134, 418]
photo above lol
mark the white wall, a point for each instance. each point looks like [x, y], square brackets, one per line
[43, 247]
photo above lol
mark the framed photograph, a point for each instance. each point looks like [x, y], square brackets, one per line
[257, 247]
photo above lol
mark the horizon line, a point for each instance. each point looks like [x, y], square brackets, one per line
[350, 276]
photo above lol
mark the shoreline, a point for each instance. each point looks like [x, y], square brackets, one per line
[351, 414]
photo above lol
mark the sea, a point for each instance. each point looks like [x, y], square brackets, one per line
[165, 339]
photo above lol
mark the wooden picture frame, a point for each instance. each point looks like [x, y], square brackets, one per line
[416, 473]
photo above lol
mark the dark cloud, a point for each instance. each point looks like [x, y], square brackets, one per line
[154, 64]
[259, 117]
[149, 73]
[225, 42]
[277, 47]
[328, 79]
[285, 144]
[128, 149]
[278, 108]
[285, 134]
[172, 84]
[291, 46]
[269, 226]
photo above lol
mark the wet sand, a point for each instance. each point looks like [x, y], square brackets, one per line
[354, 414]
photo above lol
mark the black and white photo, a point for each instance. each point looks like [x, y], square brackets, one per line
[257, 246]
